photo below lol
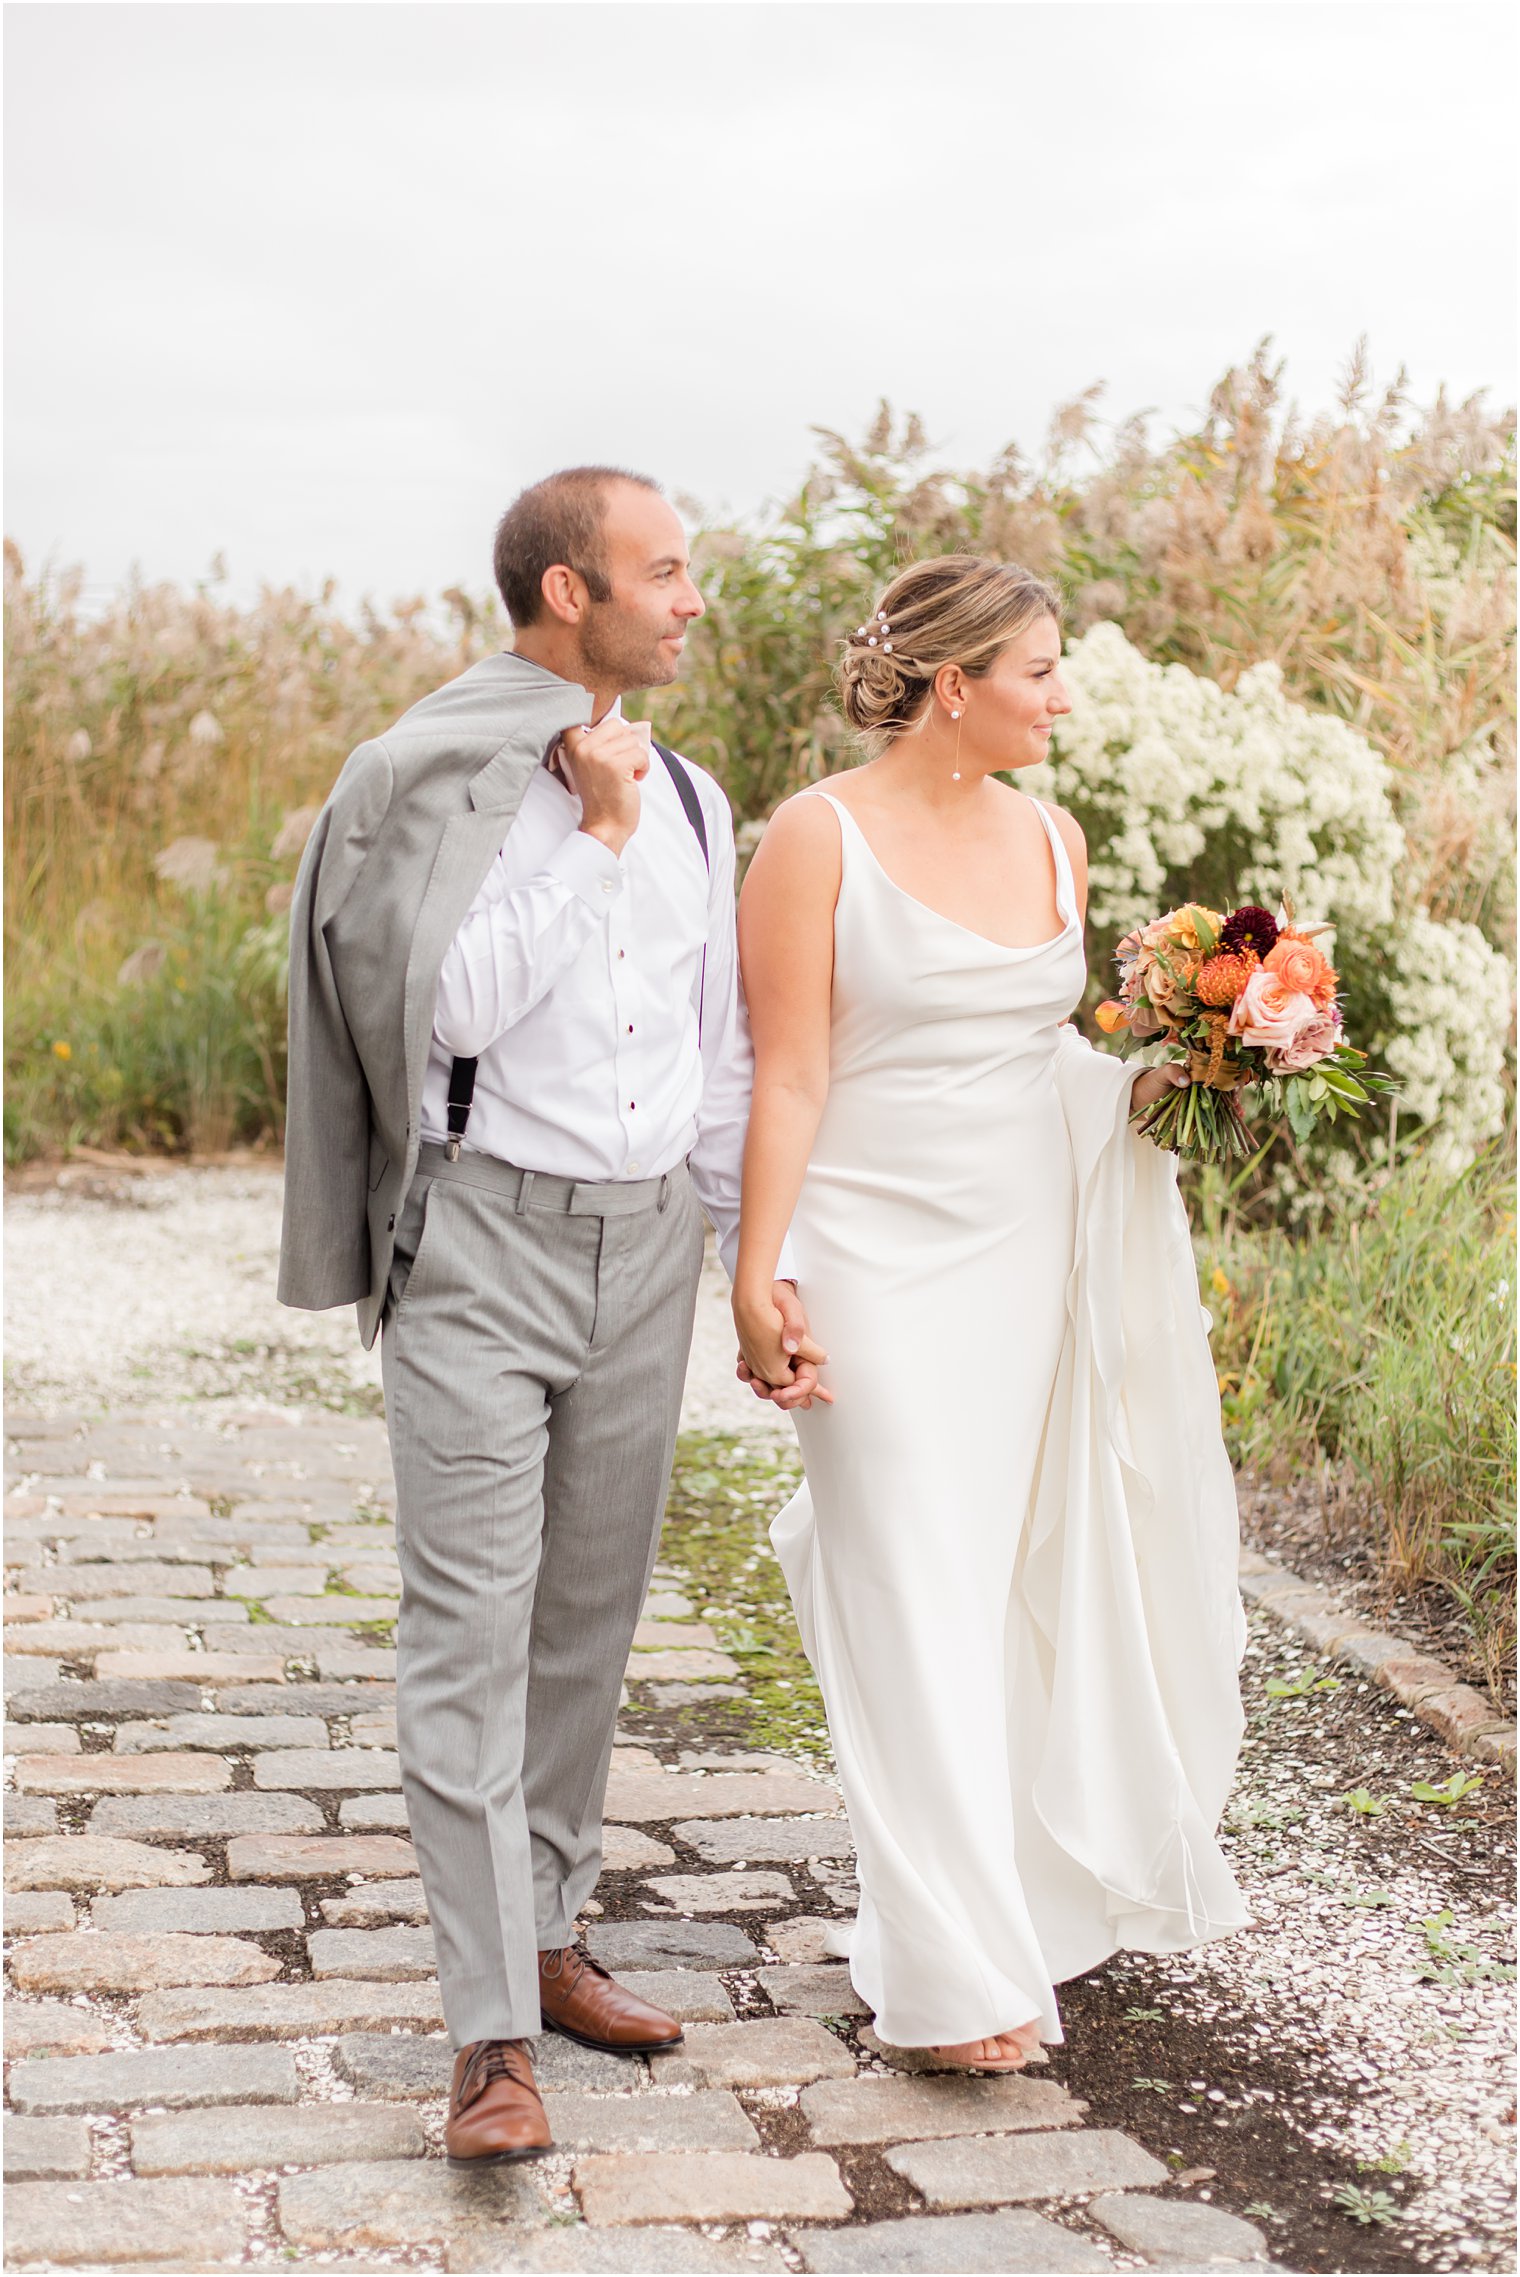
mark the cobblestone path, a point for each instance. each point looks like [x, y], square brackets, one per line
[223, 2027]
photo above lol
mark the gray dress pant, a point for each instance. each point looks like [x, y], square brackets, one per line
[535, 1342]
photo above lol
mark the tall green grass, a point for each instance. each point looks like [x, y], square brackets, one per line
[1382, 1342]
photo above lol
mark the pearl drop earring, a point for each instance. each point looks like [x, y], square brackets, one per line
[955, 773]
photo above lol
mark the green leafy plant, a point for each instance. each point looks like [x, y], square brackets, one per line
[1361, 1799]
[1299, 1687]
[1452, 1791]
[1373, 2208]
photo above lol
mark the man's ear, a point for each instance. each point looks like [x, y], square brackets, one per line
[564, 592]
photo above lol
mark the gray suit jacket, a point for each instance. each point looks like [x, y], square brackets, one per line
[398, 854]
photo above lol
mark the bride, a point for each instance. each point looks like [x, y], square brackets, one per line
[1013, 1561]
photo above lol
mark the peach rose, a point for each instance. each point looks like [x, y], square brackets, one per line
[1314, 1039]
[1300, 966]
[1268, 1014]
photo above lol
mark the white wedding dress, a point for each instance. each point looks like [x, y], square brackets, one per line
[1014, 1560]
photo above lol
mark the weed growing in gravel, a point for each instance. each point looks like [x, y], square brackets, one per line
[1451, 1791]
[1300, 1686]
[1370, 2207]
[1362, 1799]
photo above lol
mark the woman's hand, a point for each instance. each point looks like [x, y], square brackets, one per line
[777, 1356]
[1153, 1083]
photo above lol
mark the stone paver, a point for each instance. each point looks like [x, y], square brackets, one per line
[194, 1667]
[721, 1893]
[982, 2170]
[342, 1770]
[132, 1578]
[710, 2186]
[94, 1701]
[658, 1667]
[99, 1862]
[31, 1910]
[172, 2224]
[624, 1849]
[87, 1962]
[874, 2110]
[950, 2245]
[45, 2150]
[295, 1858]
[779, 2051]
[670, 1945]
[219, 1733]
[825, 1990]
[710, 2120]
[661, 1796]
[286, 2011]
[383, 1956]
[198, 1912]
[52, 2027]
[370, 1904]
[275, 2134]
[204, 1817]
[380, 2203]
[403, 2065]
[653, 2252]
[758, 1840]
[373, 1814]
[172, 2078]
[1178, 2228]
[686, 1994]
[30, 1814]
[41, 1739]
[123, 1775]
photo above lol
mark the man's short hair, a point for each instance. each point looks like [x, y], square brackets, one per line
[558, 520]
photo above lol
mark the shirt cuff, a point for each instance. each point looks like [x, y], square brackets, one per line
[588, 868]
[786, 1263]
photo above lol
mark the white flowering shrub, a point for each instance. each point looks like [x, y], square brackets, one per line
[1187, 791]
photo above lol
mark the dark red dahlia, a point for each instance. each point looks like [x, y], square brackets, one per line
[1249, 928]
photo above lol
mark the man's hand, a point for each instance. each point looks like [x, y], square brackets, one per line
[788, 1376]
[604, 766]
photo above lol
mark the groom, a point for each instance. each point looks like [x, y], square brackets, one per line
[519, 1077]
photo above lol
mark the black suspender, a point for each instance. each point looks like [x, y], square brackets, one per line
[462, 1073]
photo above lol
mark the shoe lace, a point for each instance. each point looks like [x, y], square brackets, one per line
[493, 2059]
[571, 1963]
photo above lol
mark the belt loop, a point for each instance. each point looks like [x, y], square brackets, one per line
[523, 1191]
[664, 1191]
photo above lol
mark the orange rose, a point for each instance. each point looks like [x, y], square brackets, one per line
[1302, 969]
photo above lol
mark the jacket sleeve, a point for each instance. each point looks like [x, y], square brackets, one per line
[324, 1241]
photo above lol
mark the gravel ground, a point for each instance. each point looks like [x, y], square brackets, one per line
[181, 1263]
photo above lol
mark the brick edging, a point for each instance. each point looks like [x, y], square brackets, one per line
[1428, 1688]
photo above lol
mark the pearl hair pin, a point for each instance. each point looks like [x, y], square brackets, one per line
[876, 639]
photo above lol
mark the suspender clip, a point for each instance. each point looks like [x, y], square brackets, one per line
[451, 1149]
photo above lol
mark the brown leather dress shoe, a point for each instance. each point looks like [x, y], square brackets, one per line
[495, 2112]
[578, 1997]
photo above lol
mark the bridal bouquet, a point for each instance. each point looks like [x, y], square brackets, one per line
[1249, 1004]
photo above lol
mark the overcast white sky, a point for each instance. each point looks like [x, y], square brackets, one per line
[320, 286]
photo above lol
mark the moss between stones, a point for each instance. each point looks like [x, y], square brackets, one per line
[723, 1496]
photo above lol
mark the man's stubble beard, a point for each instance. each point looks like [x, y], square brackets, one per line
[617, 654]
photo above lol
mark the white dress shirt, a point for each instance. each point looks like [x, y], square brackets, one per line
[575, 981]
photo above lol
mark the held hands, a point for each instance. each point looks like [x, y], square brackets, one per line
[604, 766]
[777, 1357]
[1153, 1083]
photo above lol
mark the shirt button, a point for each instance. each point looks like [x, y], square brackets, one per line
[622, 952]
[630, 1027]
[606, 885]
[632, 1107]
[633, 1169]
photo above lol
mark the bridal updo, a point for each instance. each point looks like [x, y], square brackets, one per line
[958, 609]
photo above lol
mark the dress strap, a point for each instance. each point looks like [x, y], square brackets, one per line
[1066, 884]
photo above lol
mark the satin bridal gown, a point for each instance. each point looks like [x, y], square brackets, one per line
[1013, 1562]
